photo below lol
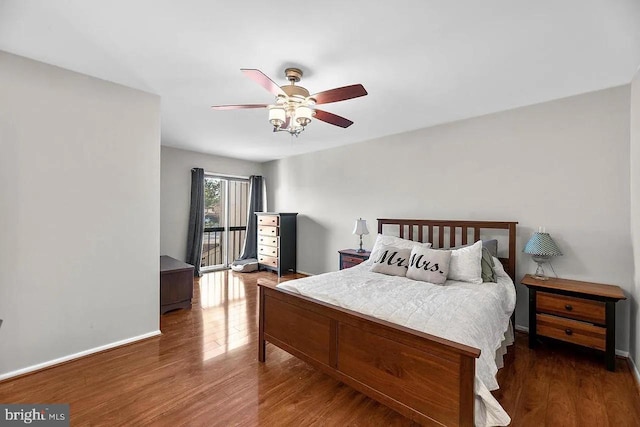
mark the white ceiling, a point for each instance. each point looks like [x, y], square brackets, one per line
[422, 62]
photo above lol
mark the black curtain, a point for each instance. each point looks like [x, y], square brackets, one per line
[196, 220]
[256, 204]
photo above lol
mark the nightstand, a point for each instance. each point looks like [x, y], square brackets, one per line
[581, 313]
[351, 257]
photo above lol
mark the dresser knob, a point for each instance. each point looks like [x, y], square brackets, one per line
[569, 307]
[568, 331]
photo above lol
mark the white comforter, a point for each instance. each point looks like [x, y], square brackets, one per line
[475, 315]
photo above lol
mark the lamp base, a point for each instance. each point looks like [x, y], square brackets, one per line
[539, 274]
[360, 250]
[538, 277]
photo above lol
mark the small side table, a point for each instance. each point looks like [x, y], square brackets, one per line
[581, 313]
[351, 257]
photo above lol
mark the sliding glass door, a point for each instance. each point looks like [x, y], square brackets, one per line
[225, 220]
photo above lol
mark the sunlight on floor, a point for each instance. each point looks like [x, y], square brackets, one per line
[215, 292]
[224, 314]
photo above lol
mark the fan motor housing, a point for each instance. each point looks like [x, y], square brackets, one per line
[293, 74]
[295, 91]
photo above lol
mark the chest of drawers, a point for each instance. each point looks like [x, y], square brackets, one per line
[277, 236]
[581, 313]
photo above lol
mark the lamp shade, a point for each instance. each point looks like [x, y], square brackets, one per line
[361, 227]
[541, 244]
[303, 115]
[277, 116]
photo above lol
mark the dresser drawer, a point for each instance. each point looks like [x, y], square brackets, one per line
[268, 241]
[572, 331]
[268, 260]
[572, 307]
[265, 230]
[271, 220]
[271, 251]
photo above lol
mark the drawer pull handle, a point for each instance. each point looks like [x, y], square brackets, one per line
[569, 307]
[568, 331]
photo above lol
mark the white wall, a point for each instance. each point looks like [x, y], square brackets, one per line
[635, 214]
[79, 219]
[562, 164]
[175, 189]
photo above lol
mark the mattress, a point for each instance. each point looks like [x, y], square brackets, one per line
[471, 314]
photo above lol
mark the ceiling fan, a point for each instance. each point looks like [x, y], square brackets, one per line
[294, 107]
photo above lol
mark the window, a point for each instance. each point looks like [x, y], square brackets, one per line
[225, 220]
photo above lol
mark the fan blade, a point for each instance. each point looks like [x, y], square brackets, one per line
[264, 81]
[238, 107]
[332, 119]
[339, 94]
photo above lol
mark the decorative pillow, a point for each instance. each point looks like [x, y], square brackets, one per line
[429, 265]
[465, 264]
[499, 268]
[488, 273]
[391, 261]
[491, 246]
[396, 242]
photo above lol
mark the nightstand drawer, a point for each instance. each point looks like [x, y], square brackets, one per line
[268, 241]
[572, 331]
[264, 230]
[267, 250]
[351, 257]
[351, 260]
[271, 220]
[572, 307]
[268, 260]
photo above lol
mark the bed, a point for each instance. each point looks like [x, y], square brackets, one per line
[430, 379]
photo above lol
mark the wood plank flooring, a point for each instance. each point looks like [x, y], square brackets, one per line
[203, 370]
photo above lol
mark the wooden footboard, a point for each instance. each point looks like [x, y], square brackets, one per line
[426, 378]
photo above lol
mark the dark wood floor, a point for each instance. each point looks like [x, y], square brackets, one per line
[203, 370]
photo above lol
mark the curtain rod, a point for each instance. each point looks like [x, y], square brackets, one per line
[222, 175]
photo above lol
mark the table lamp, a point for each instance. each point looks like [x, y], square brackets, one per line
[360, 229]
[541, 247]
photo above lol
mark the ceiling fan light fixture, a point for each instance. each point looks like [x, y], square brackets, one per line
[294, 107]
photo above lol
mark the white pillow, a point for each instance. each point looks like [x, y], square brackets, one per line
[394, 241]
[429, 265]
[392, 261]
[499, 268]
[466, 264]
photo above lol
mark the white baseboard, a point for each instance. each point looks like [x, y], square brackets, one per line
[634, 370]
[77, 355]
[304, 272]
[621, 353]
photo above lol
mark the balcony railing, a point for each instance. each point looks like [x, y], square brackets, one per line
[213, 245]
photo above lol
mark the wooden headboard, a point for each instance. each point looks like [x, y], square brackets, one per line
[424, 230]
